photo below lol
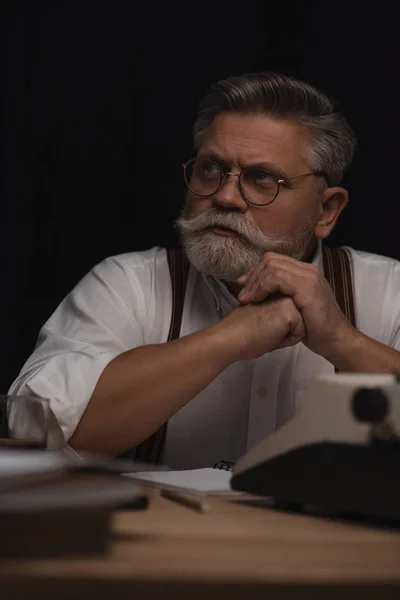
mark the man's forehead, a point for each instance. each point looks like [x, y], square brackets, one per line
[253, 133]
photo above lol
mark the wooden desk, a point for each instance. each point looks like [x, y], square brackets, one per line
[235, 550]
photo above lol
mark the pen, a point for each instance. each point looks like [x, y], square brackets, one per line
[195, 502]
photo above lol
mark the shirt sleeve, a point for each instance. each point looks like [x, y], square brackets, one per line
[377, 297]
[102, 317]
[394, 286]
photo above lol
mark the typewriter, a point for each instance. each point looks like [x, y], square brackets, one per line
[340, 454]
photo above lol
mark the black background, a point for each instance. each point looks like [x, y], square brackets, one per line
[97, 103]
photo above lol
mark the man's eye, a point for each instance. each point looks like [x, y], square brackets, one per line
[210, 167]
[260, 176]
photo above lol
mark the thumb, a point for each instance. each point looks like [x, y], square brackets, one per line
[298, 329]
[296, 333]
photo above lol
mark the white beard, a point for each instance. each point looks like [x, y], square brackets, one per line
[229, 258]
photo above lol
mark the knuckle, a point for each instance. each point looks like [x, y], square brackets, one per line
[269, 257]
[279, 274]
[265, 258]
[315, 270]
[272, 261]
[287, 304]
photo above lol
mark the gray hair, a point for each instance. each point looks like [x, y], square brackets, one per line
[332, 141]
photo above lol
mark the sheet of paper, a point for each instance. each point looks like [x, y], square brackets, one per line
[197, 481]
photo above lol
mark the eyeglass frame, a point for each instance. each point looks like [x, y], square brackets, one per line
[225, 175]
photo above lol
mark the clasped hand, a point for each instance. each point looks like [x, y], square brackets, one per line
[325, 325]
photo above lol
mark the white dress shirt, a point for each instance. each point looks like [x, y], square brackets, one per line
[125, 302]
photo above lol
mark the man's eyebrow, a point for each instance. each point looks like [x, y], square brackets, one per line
[214, 156]
[266, 166]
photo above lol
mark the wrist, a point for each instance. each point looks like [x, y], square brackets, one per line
[226, 341]
[344, 350]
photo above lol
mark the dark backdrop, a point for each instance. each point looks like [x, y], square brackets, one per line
[96, 108]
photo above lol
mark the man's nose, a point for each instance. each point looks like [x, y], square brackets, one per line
[229, 194]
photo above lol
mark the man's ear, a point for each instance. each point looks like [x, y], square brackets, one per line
[333, 201]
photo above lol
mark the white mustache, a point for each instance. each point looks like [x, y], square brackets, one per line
[231, 220]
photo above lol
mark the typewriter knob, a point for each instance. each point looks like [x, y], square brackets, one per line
[370, 405]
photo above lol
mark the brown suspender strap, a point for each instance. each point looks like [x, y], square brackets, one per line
[337, 270]
[151, 450]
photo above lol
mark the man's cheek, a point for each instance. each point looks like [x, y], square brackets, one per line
[195, 205]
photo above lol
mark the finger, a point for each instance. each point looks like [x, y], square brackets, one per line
[251, 285]
[287, 281]
[299, 330]
[272, 261]
[284, 258]
[255, 289]
[242, 280]
[297, 334]
[251, 282]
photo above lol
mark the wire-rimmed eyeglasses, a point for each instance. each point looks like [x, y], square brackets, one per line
[204, 177]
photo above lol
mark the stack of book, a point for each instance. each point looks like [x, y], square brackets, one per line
[53, 506]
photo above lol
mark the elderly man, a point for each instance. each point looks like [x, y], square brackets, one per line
[258, 320]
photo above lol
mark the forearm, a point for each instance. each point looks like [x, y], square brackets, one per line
[359, 353]
[142, 388]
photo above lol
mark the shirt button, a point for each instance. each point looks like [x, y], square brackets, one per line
[262, 391]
